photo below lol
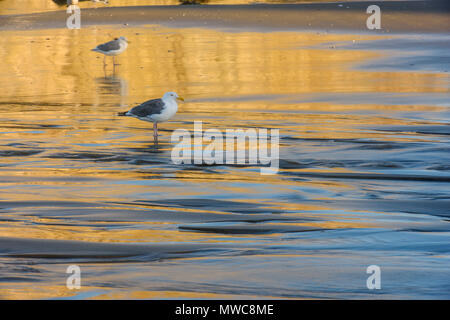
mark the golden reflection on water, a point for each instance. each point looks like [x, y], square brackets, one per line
[59, 83]
[58, 66]
[57, 99]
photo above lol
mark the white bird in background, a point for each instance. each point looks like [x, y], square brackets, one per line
[156, 110]
[112, 48]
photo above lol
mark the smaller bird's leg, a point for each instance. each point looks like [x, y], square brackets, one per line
[104, 61]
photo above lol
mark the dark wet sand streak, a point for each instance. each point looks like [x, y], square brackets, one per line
[64, 249]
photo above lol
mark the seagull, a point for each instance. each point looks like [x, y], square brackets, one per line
[155, 110]
[112, 48]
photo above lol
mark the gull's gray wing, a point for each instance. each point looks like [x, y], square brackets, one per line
[109, 46]
[148, 108]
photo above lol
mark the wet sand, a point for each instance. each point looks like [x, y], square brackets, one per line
[397, 16]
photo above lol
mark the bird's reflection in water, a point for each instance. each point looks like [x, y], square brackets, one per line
[153, 147]
[112, 87]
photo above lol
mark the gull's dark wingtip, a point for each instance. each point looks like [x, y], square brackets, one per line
[122, 114]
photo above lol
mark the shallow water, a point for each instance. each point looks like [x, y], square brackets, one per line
[364, 166]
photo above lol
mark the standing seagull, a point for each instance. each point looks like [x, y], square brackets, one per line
[156, 110]
[112, 48]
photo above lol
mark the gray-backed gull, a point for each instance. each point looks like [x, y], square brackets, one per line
[156, 110]
[112, 48]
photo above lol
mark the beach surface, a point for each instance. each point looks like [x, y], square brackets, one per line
[397, 16]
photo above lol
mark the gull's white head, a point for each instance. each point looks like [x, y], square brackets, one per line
[172, 96]
[123, 39]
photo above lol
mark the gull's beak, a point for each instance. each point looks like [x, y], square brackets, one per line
[180, 98]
